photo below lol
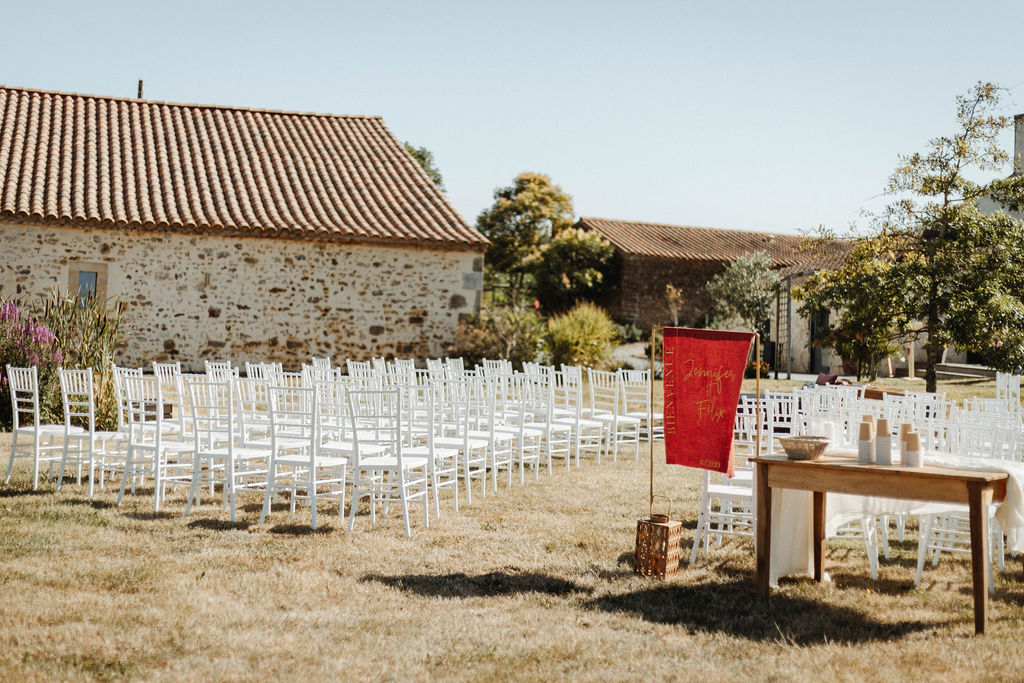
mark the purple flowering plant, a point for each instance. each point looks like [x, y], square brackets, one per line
[24, 342]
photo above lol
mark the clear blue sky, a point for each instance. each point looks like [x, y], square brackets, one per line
[755, 115]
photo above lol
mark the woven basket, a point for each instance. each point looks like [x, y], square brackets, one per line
[804, 447]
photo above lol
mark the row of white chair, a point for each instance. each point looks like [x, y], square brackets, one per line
[280, 431]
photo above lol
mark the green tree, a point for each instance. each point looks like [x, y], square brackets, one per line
[745, 291]
[869, 325]
[524, 216]
[957, 270]
[574, 266]
[425, 158]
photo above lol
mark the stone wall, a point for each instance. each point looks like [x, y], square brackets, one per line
[191, 297]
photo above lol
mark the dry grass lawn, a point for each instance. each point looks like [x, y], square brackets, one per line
[535, 583]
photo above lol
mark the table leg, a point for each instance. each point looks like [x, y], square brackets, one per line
[764, 530]
[818, 515]
[979, 498]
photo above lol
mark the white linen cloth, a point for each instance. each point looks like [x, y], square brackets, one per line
[792, 530]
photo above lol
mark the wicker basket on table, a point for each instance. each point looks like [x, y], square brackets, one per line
[804, 447]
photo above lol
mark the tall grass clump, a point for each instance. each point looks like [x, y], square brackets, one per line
[88, 333]
[583, 336]
[26, 341]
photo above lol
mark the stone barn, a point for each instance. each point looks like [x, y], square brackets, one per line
[231, 232]
[650, 256]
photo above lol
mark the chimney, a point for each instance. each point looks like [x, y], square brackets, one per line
[1018, 144]
[140, 88]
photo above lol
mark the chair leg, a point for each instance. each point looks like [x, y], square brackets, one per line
[884, 537]
[128, 467]
[35, 462]
[405, 509]
[311, 491]
[871, 545]
[924, 538]
[10, 463]
[194, 486]
[269, 492]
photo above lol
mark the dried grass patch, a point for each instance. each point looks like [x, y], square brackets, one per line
[532, 583]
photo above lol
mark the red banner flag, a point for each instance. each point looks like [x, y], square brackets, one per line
[703, 371]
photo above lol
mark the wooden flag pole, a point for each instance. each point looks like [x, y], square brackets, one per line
[757, 390]
[650, 412]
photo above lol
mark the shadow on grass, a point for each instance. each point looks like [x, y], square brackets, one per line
[94, 504]
[734, 608]
[150, 516]
[300, 530]
[17, 493]
[219, 525]
[490, 585]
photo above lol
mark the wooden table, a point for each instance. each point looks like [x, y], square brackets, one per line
[844, 475]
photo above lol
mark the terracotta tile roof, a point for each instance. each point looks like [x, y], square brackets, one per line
[704, 244]
[104, 162]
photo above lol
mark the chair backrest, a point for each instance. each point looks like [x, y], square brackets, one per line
[322, 363]
[332, 407]
[376, 420]
[144, 408]
[604, 390]
[271, 372]
[312, 374]
[252, 405]
[359, 368]
[497, 368]
[1008, 387]
[436, 368]
[455, 368]
[119, 390]
[451, 401]
[214, 367]
[636, 390]
[23, 383]
[213, 415]
[294, 411]
[78, 398]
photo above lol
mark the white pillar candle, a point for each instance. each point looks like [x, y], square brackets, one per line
[865, 444]
[913, 457]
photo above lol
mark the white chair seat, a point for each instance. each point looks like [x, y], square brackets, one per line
[622, 419]
[348, 447]
[391, 462]
[456, 443]
[499, 437]
[282, 442]
[583, 422]
[240, 453]
[642, 415]
[295, 460]
[559, 427]
[49, 430]
[424, 452]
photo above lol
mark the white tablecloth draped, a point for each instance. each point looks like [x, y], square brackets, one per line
[792, 531]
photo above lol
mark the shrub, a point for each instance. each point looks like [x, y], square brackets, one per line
[583, 336]
[629, 332]
[515, 333]
[24, 342]
[752, 367]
